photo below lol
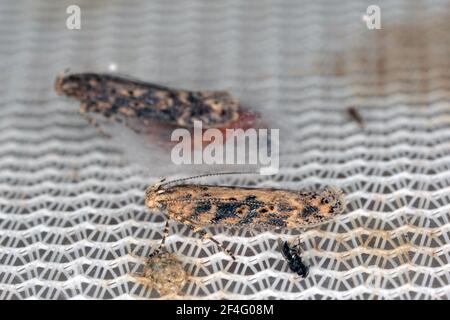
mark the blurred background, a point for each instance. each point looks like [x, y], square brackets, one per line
[72, 218]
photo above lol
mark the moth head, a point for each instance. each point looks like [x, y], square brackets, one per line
[69, 85]
[153, 195]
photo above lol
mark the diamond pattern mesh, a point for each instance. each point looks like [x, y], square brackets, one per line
[72, 216]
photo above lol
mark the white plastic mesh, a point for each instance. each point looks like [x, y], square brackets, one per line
[72, 208]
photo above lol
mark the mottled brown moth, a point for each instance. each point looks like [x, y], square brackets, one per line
[202, 206]
[111, 95]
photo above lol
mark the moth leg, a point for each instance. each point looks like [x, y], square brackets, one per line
[203, 234]
[125, 122]
[94, 122]
[206, 236]
[163, 240]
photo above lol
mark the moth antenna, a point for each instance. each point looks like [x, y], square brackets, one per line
[206, 175]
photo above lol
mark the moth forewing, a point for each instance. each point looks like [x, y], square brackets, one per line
[117, 95]
[207, 205]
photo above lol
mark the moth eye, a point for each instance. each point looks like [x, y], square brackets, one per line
[131, 92]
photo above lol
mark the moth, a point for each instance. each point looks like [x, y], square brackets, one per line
[111, 95]
[203, 206]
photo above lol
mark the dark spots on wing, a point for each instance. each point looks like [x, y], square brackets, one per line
[325, 200]
[232, 199]
[334, 208]
[185, 197]
[202, 207]
[225, 210]
[250, 198]
[191, 98]
[248, 219]
[253, 211]
[206, 194]
[200, 110]
[150, 99]
[283, 207]
[263, 210]
[279, 222]
[309, 210]
[119, 101]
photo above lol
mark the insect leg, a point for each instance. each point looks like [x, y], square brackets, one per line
[292, 254]
[161, 245]
[94, 122]
[124, 121]
[205, 235]
[299, 247]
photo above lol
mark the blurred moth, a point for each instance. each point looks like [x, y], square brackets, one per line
[113, 96]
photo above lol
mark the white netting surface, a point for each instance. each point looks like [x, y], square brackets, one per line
[72, 208]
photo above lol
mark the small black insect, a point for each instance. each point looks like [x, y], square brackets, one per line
[356, 116]
[292, 256]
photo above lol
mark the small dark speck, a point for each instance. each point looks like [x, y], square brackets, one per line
[356, 116]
